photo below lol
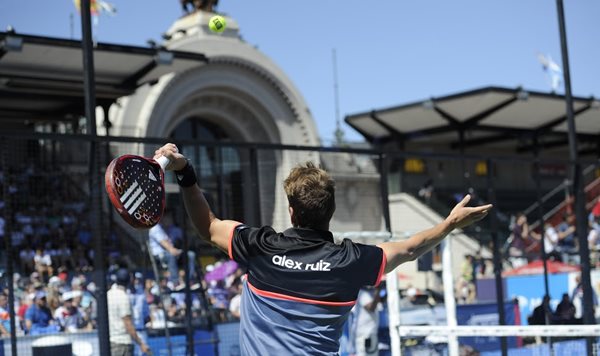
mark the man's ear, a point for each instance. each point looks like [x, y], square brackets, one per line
[292, 218]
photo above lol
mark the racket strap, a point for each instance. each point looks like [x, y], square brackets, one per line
[186, 177]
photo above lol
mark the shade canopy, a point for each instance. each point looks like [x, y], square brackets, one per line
[490, 116]
[42, 77]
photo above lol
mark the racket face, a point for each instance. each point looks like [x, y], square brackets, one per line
[135, 186]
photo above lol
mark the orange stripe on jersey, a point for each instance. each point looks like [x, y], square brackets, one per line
[381, 268]
[297, 299]
[229, 249]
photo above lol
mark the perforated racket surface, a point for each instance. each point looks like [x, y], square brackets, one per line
[135, 186]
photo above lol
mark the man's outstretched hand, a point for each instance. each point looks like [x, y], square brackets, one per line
[176, 160]
[462, 215]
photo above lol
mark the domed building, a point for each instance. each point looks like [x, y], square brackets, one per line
[241, 96]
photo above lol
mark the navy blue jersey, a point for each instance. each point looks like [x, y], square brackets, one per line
[300, 288]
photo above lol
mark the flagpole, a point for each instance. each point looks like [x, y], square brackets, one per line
[577, 179]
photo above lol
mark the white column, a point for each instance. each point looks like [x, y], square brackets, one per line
[449, 301]
[393, 301]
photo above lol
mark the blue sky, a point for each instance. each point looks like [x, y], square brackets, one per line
[388, 52]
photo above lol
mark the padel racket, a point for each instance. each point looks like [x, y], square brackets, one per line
[135, 186]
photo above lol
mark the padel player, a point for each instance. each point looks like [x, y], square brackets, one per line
[300, 285]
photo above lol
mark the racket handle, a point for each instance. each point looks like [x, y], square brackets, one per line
[163, 161]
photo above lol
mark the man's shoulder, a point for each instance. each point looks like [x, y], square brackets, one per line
[258, 229]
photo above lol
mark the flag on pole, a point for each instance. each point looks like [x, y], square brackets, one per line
[97, 7]
[552, 69]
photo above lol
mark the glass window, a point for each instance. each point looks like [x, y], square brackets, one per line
[218, 168]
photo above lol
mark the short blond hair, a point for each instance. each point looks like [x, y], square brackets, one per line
[311, 194]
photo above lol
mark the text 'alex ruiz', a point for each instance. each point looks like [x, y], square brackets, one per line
[286, 262]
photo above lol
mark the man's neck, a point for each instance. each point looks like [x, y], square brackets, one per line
[317, 228]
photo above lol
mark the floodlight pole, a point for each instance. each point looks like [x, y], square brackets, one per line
[577, 179]
[96, 202]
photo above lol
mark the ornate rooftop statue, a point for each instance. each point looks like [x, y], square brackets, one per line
[190, 6]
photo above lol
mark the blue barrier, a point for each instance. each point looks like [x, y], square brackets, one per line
[229, 339]
[485, 314]
[204, 344]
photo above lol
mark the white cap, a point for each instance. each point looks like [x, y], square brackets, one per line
[54, 280]
[411, 292]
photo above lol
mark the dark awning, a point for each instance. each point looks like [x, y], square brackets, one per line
[486, 116]
[42, 77]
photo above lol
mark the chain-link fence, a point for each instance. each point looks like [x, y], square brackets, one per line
[64, 248]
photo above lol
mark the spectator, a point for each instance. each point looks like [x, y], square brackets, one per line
[218, 299]
[38, 318]
[36, 280]
[551, 240]
[426, 191]
[520, 241]
[122, 332]
[163, 250]
[68, 316]
[25, 303]
[26, 259]
[84, 235]
[467, 269]
[62, 274]
[174, 231]
[577, 298]
[466, 292]
[366, 325]
[43, 263]
[235, 302]
[541, 313]
[565, 311]
[4, 316]
[175, 314]
[566, 237]
[594, 233]
[81, 261]
[410, 299]
[157, 315]
[64, 256]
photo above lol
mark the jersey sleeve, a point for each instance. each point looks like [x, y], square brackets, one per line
[245, 241]
[370, 264]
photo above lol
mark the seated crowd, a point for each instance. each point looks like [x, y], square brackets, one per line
[67, 302]
[560, 241]
[53, 256]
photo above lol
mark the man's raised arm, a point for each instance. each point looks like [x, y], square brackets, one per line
[461, 216]
[206, 223]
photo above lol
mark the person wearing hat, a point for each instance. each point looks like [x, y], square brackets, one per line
[122, 331]
[38, 318]
[68, 315]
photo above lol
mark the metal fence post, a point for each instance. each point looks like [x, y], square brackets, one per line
[8, 245]
[497, 257]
